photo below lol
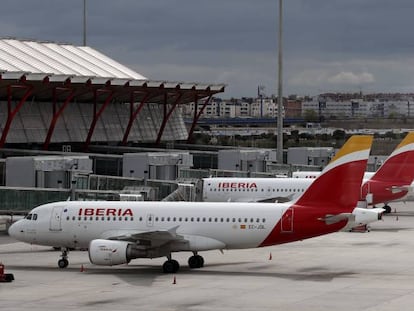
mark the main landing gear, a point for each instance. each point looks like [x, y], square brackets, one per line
[172, 266]
[63, 262]
[196, 261]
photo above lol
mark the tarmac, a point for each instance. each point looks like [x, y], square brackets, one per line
[340, 271]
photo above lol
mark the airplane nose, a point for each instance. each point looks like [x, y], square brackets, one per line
[14, 230]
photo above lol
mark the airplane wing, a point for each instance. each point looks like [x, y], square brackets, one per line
[278, 199]
[149, 238]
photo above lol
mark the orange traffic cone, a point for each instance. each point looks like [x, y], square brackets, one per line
[270, 256]
[82, 269]
[174, 281]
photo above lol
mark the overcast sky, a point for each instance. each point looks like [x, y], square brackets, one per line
[329, 45]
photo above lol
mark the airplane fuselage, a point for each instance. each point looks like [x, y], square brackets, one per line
[208, 225]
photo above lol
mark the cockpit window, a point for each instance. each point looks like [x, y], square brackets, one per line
[31, 216]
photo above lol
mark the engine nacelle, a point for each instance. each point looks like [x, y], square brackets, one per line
[367, 215]
[108, 253]
[363, 216]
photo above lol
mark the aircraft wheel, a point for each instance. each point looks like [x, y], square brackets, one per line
[387, 209]
[63, 263]
[171, 266]
[196, 261]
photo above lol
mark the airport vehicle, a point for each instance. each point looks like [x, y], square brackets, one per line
[389, 183]
[117, 232]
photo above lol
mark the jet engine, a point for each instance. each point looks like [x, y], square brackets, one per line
[109, 252]
[363, 217]
[367, 215]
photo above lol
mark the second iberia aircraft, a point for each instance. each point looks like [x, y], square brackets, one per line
[117, 232]
[392, 181]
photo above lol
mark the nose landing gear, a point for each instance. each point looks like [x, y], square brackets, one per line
[63, 262]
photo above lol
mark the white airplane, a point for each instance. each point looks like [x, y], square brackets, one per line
[117, 232]
[391, 182]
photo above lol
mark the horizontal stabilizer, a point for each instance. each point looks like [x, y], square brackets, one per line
[333, 219]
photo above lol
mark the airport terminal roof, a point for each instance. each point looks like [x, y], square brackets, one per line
[45, 65]
[49, 73]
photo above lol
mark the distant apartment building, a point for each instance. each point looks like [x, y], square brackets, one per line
[328, 106]
[236, 108]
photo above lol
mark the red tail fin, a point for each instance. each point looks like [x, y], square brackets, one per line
[340, 182]
[397, 171]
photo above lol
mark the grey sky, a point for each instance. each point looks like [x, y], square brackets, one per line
[329, 45]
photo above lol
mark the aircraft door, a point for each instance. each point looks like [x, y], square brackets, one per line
[150, 220]
[287, 221]
[56, 219]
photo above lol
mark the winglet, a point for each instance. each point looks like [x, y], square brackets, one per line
[339, 184]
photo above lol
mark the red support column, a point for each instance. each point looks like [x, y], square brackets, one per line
[56, 115]
[197, 115]
[97, 116]
[167, 116]
[133, 115]
[12, 112]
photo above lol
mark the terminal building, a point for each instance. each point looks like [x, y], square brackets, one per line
[59, 100]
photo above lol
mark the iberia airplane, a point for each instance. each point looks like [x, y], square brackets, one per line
[392, 181]
[117, 232]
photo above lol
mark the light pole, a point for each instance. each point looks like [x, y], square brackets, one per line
[84, 22]
[279, 153]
